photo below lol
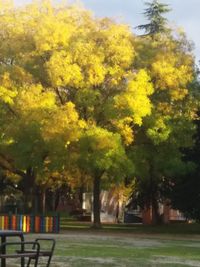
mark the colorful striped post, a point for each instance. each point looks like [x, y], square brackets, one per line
[14, 222]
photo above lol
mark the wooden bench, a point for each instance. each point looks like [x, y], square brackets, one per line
[31, 254]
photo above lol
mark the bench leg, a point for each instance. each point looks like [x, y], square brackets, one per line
[3, 251]
[36, 262]
[22, 248]
[29, 261]
[49, 260]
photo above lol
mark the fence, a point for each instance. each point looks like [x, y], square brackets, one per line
[30, 223]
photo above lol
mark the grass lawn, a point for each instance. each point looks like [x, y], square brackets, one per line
[128, 246]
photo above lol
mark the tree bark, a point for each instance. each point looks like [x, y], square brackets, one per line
[43, 201]
[155, 212]
[96, 202]
[28, 187]
[147, 215]
[53, 201]
[153, 193]
[81, 191]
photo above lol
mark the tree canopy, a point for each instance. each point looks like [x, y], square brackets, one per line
[83, 96]
[67, 89]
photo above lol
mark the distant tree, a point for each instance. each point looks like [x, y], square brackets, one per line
[154, 14]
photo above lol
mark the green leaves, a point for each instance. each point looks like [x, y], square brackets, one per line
[154, 13]
[102, 151]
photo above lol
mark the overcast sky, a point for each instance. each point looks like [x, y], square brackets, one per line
[185, 13]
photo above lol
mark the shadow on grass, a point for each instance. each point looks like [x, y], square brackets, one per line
[173, 228]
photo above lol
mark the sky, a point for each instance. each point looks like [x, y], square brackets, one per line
[184, 14]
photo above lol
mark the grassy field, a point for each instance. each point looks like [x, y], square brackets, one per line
[175, 228]
[126, 246]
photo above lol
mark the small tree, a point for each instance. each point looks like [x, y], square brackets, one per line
[154, 14]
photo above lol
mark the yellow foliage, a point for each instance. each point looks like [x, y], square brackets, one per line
[134, 101]
[6, 5]
[62, 71]
[125, 130]
[33, 98]
[7, 90]
[170, 76]
[119, 50]
[51, 33]
[66, 124]
[133, 104]
[7, 95]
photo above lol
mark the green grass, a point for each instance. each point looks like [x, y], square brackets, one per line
[174, 229]
[78, 245]
[108, 249]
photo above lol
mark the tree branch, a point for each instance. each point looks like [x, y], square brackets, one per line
[7, 165]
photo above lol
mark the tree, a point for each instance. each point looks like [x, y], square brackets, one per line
[76, 92]
[154, 14]
[184, 189]
[29, 144]
[67, 69]
[157, 151]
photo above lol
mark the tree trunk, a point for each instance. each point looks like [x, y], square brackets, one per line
[43, 201]
[53, 201]
[35, 208]
[166, 212]
[28, 185]
[153, 193]
[155, 212]
[147, 215]
[81, 191]
[96, 202]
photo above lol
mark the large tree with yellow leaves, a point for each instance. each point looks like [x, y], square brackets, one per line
[76, 92]
[69, 94]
